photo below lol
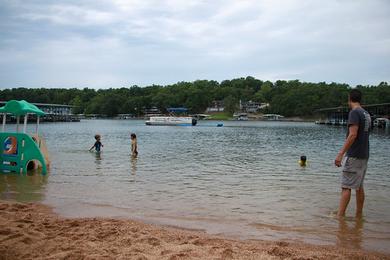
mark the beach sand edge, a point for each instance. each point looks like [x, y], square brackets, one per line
[33, 231]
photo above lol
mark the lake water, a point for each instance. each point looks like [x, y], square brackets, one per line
[241, 180]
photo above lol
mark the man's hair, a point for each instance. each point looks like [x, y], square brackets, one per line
[355, 95]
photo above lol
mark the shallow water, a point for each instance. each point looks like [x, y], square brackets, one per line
[241, 180]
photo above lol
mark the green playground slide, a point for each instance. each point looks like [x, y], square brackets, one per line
[19, 152]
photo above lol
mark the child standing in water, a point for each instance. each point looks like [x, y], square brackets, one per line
[302, 161]
[98, 145]
[134, 151]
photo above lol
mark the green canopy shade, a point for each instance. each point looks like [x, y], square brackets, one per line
[20, 108]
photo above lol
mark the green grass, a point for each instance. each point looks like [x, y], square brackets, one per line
[221, 116]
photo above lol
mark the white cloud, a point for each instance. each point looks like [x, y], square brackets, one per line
[145, 42]
[65, 14]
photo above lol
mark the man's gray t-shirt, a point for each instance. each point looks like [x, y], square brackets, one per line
[360, 147]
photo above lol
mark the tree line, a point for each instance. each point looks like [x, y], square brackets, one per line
[288, 98]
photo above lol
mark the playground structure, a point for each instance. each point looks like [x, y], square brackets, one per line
[20, 151]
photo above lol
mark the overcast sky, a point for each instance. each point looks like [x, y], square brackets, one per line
[102, 43]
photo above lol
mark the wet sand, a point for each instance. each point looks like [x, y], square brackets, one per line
[33, 231]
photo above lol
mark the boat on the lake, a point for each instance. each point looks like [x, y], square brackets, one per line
[172, 119]
[272, 117]
[240, 116]
[381, 122]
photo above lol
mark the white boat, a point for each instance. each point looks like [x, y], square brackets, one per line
[272, 117]
[172, 120]
[240, 116]
[381, 122]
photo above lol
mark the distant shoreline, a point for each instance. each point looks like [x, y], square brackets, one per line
[287, 119]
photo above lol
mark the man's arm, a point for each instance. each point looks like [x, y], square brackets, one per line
[353, 132]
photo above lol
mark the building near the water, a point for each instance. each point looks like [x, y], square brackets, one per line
[55, 109]
[216, 106]
[51, 109]
[339, 115]
[54, 112]
[252, 106]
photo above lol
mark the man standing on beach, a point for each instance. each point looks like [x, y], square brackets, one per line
[356, 147]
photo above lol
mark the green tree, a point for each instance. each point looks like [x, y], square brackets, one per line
[289, 98]
[78, 105]
[230, 104]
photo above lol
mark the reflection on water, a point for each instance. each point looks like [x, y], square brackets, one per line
[242, 179]
[133, 161]
[350, 233]
[98, 158]
[24, 188]
[382, 131]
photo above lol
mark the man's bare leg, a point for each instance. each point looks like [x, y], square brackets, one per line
[359, 202]
[344, 200]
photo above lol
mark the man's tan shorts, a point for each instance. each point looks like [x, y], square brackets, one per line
[354, 171]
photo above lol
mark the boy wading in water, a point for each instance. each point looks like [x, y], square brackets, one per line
[134, 152]
[356, 147]
[97, 145]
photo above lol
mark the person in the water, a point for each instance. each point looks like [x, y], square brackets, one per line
[355, 152]
[97, 145]
[302, 161]
[134, 151]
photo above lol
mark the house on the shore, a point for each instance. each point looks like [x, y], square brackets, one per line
[252, 106]
[53, 112]
[216, 106]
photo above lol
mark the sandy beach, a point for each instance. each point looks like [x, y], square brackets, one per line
[33, 231]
